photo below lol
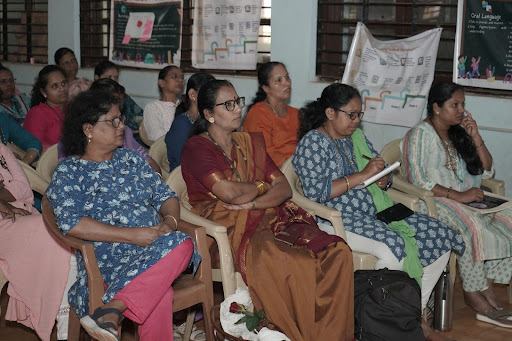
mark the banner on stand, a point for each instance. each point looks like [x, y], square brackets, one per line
[483, 44]
[145, 33]
[225, 34]
[392, 76]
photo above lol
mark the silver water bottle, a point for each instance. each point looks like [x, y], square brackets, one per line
[443, 302]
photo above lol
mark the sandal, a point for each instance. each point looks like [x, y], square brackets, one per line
[197, 334]
[101, 331]
[500, 318]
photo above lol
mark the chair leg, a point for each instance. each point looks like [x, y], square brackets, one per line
[208, 325]
[73, 325]
[189, 324]
[509, 291]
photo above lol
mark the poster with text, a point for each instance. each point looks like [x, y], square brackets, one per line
[145, 33]
[483, 45]
[392, 76]
[225, 34]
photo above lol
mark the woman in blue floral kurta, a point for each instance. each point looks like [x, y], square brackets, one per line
[322, 160]
[111, 197]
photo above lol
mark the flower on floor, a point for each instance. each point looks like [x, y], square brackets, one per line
[252, 320]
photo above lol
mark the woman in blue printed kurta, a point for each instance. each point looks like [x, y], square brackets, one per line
[326, 164]
[111, 197]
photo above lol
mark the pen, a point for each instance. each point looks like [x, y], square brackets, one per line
[366, 157]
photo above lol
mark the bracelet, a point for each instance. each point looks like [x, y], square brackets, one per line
[174, 219]
[448, 193]
[261, 187]
[481, 144]
[348, 183]
[159, 174]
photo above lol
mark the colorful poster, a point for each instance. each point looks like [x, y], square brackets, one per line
[145, 33]
[483, 44]
[225, 34]
[393, 76]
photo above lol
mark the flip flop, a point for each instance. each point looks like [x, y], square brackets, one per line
[500, 318]
[100, 331]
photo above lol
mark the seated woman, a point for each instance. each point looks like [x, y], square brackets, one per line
[186, 115]
[11, 131]
[446, 154]
[130, 109]
[307, 289]
[332, 157]
[269, 114]
[65, 58]
[112, 198]
[16, 106]
[49, 97]
[158, 115]
[109, 86]
[35, 264]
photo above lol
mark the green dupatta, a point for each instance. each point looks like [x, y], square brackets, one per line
[412, 264]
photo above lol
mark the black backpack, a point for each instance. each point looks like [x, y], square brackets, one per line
[387, 306]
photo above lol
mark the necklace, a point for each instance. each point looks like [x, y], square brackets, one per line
[450, 151]
[232, 165]
[350, 161]
[271, 107]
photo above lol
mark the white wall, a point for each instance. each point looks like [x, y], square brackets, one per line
[294, 43]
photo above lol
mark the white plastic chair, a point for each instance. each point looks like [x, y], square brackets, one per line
[158, 151]
[48, 162]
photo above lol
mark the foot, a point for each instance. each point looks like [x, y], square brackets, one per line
[478, 302]
[431, 334]
[490, 295]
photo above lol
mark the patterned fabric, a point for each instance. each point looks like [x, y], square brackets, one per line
[123, 192]
[487, 236]
[158, 117]
[132, 112]
[317, 162]
[21, 104]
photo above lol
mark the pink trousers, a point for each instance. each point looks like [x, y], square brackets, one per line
[149, 296]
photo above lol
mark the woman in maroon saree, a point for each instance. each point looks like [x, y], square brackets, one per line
[304, 284]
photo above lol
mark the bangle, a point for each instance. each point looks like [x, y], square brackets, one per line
[174, 219]
[448, 193]
[253, 205]
[159, 174]
[261, 187]
[481, 144]
[348, 183]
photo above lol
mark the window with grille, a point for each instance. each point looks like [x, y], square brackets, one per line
[386, 20]
[24, 31]
[95, 31]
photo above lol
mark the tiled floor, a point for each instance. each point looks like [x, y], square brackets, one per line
[465, 325]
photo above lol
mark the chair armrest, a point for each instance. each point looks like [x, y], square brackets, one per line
[410, 201]
[421, 193]
[198, 234]
[495, 186]
[322, 211]
[94, 277]
[37, 183]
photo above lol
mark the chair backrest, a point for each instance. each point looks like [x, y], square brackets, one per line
[144, 135]
[48, 162]
[37, 183]
[16, 150]
[158, 151]
[391, 152]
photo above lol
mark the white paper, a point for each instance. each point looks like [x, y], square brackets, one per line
[374, 178]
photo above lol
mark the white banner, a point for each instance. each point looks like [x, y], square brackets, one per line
[225, 34]
[393, 76]
[146, 33]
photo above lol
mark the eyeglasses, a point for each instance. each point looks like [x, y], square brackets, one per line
[7, 81]
[353, 115]
[116, 121]
[230, 105]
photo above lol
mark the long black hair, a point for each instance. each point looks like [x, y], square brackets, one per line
[206, 99]
[312, 115]
[42, 82]
[196, 81]
[263, 79]
[439, 94]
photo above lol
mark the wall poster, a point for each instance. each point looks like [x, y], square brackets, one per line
[145, 33]
[483, 45]
[392, 76]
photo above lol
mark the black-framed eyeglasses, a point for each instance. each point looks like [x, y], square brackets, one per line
[352, 115]
[116, 121]
[7, 81]
[230, 105]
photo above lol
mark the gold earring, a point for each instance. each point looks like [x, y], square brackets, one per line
[437, 112]
[89, 138]
[211, 120]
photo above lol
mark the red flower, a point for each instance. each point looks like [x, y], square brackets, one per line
[236, 308]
